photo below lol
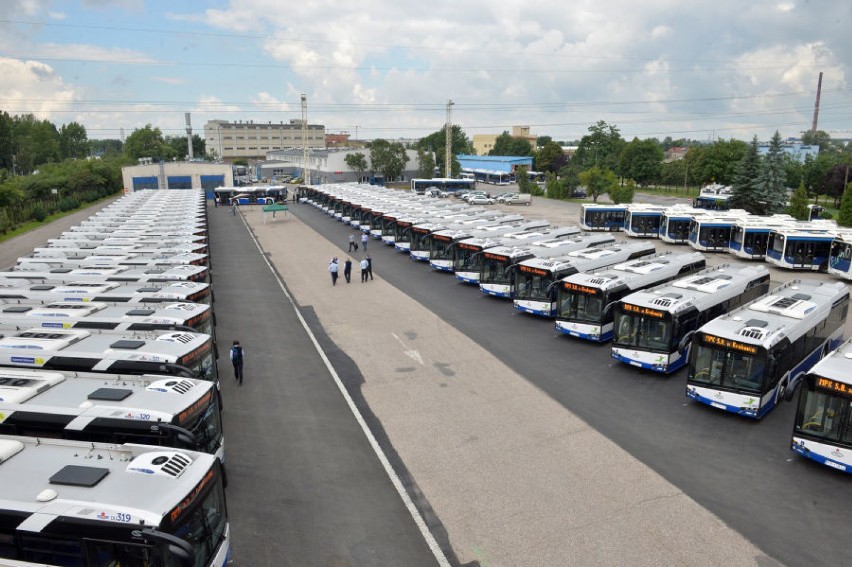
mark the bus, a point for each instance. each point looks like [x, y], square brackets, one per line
[74, 248]
[643, 221]
[750, 234]
[750, 359]
[101, 504]
[420, 186]
[674, 224]
[594, 217]
[822, 430]
[84, 261]
[499, 265]
[584, 301]
[537, 278]
[442, 242]
[840, 256]
[150, 409]
[129, 274]
[711, 233]
[123, 238]
[195, 317]
[798, 248]
[112, 292]
[98, 233]
[649, 325]
[713, 197]
[422, 235]
[178, 353]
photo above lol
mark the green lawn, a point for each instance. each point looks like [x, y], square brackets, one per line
[32, 225]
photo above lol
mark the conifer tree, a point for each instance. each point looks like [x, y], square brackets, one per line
[745, 190]
[799, 203]
[772, 183]
[844, 217]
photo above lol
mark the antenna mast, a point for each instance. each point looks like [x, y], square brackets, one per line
[188, 134]
[816, 105]
[306, 178]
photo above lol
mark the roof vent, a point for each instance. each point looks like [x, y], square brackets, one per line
[752, 333]
[184, 338]
[76, 475]
[110, 394]
[128, 344]
[787, 306]
[183, 306]
[39, 340]
[171, 385]
[17, 309]
[9, 448]
[160, 463]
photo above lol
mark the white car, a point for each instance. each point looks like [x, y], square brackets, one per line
[468, 196]
[480, 200]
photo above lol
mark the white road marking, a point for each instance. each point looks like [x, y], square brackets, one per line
[413, 354]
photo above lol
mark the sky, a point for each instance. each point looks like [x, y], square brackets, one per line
[387, 68]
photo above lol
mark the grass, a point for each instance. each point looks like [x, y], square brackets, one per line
[32, 225]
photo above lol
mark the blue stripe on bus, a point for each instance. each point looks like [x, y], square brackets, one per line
[798, 449]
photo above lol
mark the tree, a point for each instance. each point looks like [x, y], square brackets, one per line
[772, 177]
[598, 181]
[507, 145]
[388, 158]
[601, 147]
[799, 203]
[436, 143]
[426, 159]
[716, 162]
[554, 188]
[844, 217]
[73, 141]
[623, 193]
[180, 149]
[549, 157]
[109, 147]
[522, 176]
[835, 181]
[357, 162]
[542, 141]
[746, 193]
[569, 176]
[817, 138]
[7, 141]
[146, 142]
[673, 173]
[642, 161]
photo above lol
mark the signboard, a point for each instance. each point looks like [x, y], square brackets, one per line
[647, 311]
[834, 386]
[531, 270]
[498, 257]
[569, 286]
[731, 344]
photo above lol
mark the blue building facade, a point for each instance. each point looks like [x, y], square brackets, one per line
[493, 169]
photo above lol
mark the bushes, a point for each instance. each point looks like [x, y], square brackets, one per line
[68, 204]
[39, 214]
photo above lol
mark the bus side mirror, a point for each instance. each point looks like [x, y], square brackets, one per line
[183, 435]
[607, 309]
[173, 546]
[683, 344]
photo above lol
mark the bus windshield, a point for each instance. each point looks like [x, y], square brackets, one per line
[202, 362]
[204, 526]
[642, 332]
[467, 259]
[494, 269]
[715, 366]
[533, 284]
[580, 307]
[440, 248]
[419, 240]
[207, 426]
[824, 414]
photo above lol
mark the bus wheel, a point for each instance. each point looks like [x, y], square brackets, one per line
[823, 268]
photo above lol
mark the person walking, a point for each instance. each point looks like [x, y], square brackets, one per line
[237, 355]
[364, 239]
[234, 207]
[364, 268]
[352, 244]
[347, 269]
[332, 268]
[370, 266]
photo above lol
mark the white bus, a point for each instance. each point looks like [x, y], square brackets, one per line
[442, 242]
[111, 292]
[499, 265]
[747, 360]
[95, 504]
[585, 300]
[179, 353]
[142, 237]
[195, 317]
[823, 426]
[712, 233]
[127, 274]
[150, 409]
[840, 256]
[750, 235]
[643, 221]
[674, 224]
[649, 325]
[798, 248]
[32, 262]
[420, 186]
[594, 217]
[537, 279]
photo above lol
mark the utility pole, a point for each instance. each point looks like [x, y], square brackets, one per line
[448, 145]
[188, 134]
[306, 178]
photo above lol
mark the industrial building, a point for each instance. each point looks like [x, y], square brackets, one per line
[326, 166]
[254, 140]
[177, 175]
[493, 169]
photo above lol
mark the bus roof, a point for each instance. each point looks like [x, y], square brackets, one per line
[161, 259]
[110, 273]
[104, 482]
[837, 365]
[637, 273]
[17, 288]
[63, 314]
[701, 290]
[89, 395]
[596, 254]
[784, 312]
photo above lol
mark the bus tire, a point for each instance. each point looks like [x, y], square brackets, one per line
[823, 268]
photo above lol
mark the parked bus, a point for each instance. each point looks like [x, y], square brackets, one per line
[674, 224]
[537, 278]
[840, 256]
[150, 409]
[746, 361]
[711, 233]
[650, 324]
[713, 197]
[750, 235]
[823, 426]
[179, 353]
[594, 217]
[420, 186]
[443, 242]
[98, 504]
[85, 261]
[643, 221]
[798, 248]
[128, 274]
[499, 265]
[195, 317]
[98, 233]
[119, 239]
[585, 301]
[62, 248]
[112, 292]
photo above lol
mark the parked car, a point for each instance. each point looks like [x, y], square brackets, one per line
[437, 193]
[579, 194]
[480, 200]
[473, 194]
[519, 199]
[502, 197]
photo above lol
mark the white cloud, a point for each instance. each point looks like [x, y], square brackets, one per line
[34, 87]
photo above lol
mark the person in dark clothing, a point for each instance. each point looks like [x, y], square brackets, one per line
[369, 266]
[347, 269]
[352, 244]
[332, 268]
[237, 355]
[364, 267]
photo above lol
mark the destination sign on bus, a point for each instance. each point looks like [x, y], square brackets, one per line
[638, 310]
[498, 257]
[193, 410]
[835, 386]
[728, 343]
[470, 247]
[187, 502]
[441, 237]
[531, 270]
[421, 230]
[570, 286]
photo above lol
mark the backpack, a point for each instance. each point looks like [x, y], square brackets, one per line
[236, 353]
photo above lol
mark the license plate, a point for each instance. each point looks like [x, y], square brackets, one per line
[719, 406]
